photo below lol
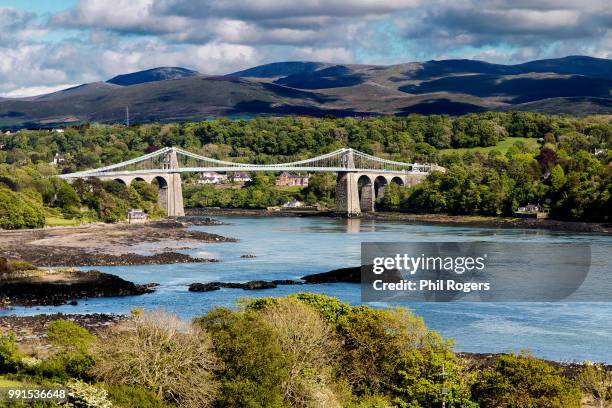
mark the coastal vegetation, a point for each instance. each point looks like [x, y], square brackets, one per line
[496, 161]
[304, 350]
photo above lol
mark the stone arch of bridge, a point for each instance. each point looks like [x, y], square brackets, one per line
[380, 183]
[365, 187]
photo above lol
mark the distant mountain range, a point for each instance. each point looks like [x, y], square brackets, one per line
[576, 85]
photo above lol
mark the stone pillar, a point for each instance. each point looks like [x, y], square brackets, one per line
[174, 202]
[366, 200]
[174, 195]
[347, 194]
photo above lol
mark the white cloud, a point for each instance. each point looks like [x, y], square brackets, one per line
[221, 36]
[338, 55]
[35, 90]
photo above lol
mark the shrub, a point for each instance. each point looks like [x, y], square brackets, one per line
[10, 357]
[83, 395]
[310, 347]
[20, 210]
[377, 343]
[128, 396]
[524, 381]
[71, 356]
[163, 353]
[21, 266]
[596, 381]
[254, 365]
[69, 335]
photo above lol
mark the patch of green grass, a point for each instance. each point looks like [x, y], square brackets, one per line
[60, 222]
[502, 146]
[289, 189]
[9, 383]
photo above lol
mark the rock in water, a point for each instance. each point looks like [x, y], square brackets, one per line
[350, 275]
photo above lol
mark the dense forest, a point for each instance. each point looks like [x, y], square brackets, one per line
[305, 350]
[566, 169]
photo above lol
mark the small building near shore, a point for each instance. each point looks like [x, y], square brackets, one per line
[136, 216]
[299, 205]
[532, 211]
[293, 204]
[287, 179]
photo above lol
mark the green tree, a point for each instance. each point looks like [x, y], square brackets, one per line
[518, 381]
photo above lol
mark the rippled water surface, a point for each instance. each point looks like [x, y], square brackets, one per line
[288, 248]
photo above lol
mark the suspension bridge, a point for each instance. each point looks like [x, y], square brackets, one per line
[361, 178]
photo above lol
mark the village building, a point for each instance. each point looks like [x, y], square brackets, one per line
[212, 177]
[531, 211]
[293, 204]
[58, 158]
[241, 177]
[136, 216]
[297, 205]
[287, 179]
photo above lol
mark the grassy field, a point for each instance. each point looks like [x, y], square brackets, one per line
[502, 146]
[60, 222]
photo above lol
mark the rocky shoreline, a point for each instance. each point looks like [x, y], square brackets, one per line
[153, 243]
[346, 275]
[59, 258]
[54, 288]
[33, 328]
[250, 285]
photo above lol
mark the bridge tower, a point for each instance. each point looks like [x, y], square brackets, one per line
[171, 195]
[347, 189]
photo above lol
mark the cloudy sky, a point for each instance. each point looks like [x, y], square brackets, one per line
[48, 45]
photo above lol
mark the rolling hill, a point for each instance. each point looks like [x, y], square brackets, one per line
[573, 85]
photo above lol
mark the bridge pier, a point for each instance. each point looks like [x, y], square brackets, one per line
[173, 196]
[347, 194]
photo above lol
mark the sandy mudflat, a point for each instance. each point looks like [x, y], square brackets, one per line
[104, 244]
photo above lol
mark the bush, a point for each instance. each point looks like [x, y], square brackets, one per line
[20, 210]
[253, 364]
[69, 336]
[128, 396]
[517, 381]
[596, 381]
[71, 358]
[83, 395]
[10, 357]
[22, 266]
[160, 352]
[310, 348]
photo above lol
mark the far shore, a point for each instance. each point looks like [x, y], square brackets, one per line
[429, 219]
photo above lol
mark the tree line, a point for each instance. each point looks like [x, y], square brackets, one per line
[569, 172]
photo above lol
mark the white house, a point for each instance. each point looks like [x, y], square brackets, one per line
[293, 204]
[58, 158]
[241, 177]
[211, 177]
[136, 216]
